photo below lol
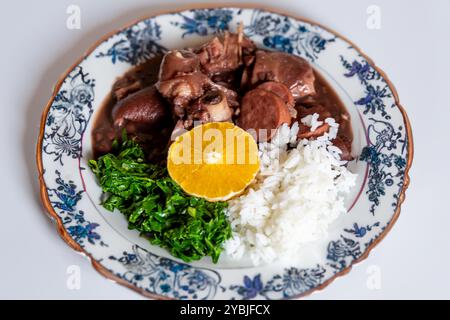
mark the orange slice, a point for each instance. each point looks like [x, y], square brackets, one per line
[215, 161]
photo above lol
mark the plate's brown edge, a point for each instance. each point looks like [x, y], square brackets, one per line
[108, 274]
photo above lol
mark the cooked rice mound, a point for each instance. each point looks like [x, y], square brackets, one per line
[297, 194]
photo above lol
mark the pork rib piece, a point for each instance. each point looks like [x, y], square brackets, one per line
[222, 55]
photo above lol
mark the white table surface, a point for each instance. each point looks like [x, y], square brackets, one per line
[412, 46]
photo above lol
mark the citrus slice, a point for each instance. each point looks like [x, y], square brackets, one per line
[215, 161]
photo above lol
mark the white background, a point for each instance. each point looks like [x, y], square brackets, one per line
[412, 46]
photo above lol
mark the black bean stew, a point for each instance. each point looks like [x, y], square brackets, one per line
[227, 79]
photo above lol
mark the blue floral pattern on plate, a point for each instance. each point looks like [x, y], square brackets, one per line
[74, 196]
[164, 276]
[291, 283]
[65, 198]
[68, 116]
[136, 44]
[288, 35]
[205, 21]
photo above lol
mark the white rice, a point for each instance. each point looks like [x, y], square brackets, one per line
[295, 197]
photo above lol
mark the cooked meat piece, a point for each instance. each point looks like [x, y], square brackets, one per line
[295, 72]
[178, 62]
[264, 112]
[304, 131]
[182, 82]
[142, 109]
[224, 55]
[125, 86]
[211, 107]
[345, 147]
[228, 79]
[139, 77]
[144, 115]
[231, 95]
[183, 89]
[217, 104]
[283, 92]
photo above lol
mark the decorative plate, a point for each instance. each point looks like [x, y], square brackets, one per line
[383, 141]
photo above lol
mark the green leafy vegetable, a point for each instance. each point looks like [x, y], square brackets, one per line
[189, 227]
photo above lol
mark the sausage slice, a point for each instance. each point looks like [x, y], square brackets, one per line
[283, 92]
[280, 90]
[263, 110]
